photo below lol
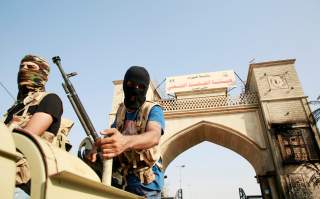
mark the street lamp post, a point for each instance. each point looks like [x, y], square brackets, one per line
[180, 176]
[180, 181]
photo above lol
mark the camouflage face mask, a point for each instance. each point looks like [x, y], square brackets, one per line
[33, 73]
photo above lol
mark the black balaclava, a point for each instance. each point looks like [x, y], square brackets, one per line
[137, 75]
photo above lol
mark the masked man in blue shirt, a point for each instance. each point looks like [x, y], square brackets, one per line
[133, 140]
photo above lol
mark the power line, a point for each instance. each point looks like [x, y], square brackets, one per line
[8, 92]
[240, 79]
[159, 86]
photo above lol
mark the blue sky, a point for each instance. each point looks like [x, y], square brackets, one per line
[101, 39]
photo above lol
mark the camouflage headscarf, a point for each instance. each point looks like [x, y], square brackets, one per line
[33, 79]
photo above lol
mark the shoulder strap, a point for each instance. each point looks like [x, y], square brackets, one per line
[143, 115]
[33, 99]
[120, 116]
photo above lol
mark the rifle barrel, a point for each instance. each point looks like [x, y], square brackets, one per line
[76, 103]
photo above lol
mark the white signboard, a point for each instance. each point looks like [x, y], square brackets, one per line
[202, 81]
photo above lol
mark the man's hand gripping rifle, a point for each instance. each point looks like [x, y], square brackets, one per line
[92, 135]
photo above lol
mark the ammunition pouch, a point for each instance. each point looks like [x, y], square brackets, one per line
[61, 140]
[23, 170]
[146, 175]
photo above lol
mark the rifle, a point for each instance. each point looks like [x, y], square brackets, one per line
[83, 117]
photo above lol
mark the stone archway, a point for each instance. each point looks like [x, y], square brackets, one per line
[217, 134]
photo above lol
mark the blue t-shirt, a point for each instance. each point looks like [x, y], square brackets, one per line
[155, 114]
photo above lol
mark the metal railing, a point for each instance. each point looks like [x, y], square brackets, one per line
[199, 103]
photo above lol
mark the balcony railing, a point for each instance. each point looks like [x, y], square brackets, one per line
[202, 103]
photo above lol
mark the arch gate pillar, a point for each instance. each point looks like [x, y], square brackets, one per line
[291, 132]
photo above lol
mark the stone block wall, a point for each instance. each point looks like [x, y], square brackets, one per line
[291, 135]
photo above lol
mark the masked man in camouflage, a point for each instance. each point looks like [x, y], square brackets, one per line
[35, 111]
[134, 137]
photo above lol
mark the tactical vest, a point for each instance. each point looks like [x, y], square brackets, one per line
[60, 140]
[140, 162]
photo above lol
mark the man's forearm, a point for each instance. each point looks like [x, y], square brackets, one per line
[143, 141]
[39, 123]
[115, 143]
